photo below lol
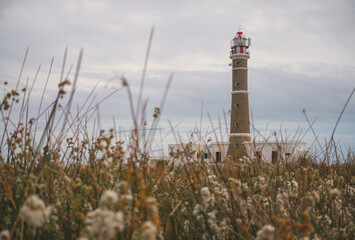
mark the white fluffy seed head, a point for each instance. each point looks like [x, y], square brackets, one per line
[197, 210]
[104, 223]
[5, 235]
[34, 211]
[186, 225]
[267, 232]
[149, 231]
[334, 192]
[108, 197]
[205, 192]
[313, 197]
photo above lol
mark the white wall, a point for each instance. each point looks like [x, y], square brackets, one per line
[286, 150]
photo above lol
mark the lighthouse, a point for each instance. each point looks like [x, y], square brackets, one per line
[240, 143]
[239, 122]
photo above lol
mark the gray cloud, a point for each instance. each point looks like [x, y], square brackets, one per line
[4, 5]
[301, 55]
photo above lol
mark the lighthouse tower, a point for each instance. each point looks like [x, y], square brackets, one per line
[239, 123]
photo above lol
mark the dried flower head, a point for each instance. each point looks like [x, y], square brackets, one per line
[34, 211]
[205, 192]
[108, 197]
[151, 204]
[313, 197]
[156, 112]
[267, 232]
[334, 192]
[124, 82]
[104, 224]
[123, 191]
[149, 231]
[5, 235]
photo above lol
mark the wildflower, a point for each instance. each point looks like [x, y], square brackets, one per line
[267, 232]
[245, 187]
[262, 180]
[34, 211]
[104, 223]
[184, 211]
[305, 238]
[197, 210]
[149, 231]
[151, 204]
[265, 201]
[205, 192]
[105, 164]
[351, 191]
[212, 221]
[261, 184]
[208, 199]
[123, 193]
[235, 181]
[186, 225]
[77, 182]
[108, 197]
[67, 179]
[315, 237]
[329, 183]
[294, 184]
[156, 112]
[83, 238]
[334, 192]
[225, 225]
[313, 197]
[5, 235]
[87, 206]
[244, 206]
[124, 82]
[171, 176]
[325, 219]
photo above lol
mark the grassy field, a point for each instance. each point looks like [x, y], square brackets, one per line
[62, 183]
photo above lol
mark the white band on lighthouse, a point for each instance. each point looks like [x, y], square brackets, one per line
[240, 92]
[239, 135]
[239, 55]
[243, 68]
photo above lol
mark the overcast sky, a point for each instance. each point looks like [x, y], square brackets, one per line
[302, 57]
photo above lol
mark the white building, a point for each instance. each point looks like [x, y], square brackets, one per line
[268, 151]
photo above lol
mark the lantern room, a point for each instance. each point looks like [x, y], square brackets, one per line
[240, 44]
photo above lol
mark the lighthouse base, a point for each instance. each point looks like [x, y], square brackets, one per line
[236, 148]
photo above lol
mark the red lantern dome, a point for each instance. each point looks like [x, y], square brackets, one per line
[240, 44]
